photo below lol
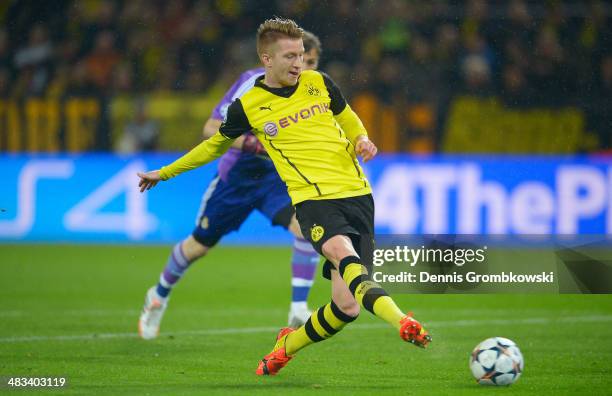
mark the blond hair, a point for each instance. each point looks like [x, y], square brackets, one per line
[274, 29]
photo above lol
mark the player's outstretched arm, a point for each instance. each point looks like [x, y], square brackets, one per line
[203, 153]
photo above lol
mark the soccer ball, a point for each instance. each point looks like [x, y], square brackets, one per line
[496, 361]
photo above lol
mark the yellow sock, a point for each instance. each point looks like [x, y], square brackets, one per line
[386, 309]
[368, 293]
[322, 324]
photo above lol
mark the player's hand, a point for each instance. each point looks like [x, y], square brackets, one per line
[252, 145]
[365, 148]
[148, 180]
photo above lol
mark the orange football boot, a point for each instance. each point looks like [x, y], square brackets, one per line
[277, 359]
[412, 331]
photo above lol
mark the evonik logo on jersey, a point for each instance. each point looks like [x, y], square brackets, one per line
[303, 114]
[271, 128]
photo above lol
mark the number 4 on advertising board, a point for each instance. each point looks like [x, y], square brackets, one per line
[135, 221]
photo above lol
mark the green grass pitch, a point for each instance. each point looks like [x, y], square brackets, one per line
[72, 311]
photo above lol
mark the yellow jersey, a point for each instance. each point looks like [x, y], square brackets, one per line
[309, 133]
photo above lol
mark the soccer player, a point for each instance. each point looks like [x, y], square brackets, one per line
[246, 180]
[313, 137]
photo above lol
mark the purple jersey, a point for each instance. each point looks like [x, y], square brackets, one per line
[244, 165]
[245, 82]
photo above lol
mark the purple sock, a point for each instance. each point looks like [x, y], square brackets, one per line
[175, 267]
[303, 265]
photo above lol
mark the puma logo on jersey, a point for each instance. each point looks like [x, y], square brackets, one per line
[268, 107]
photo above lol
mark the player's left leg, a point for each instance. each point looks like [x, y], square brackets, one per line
[304, 259]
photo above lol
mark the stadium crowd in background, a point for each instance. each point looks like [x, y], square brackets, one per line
[528, 53]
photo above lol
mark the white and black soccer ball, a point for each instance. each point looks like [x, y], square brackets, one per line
[496, 361]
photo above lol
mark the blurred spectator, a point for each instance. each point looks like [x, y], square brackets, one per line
[445, 53]
[520, 21]
[422, 75]
[173, 18]
[140, 134]
[549, 76]
[387, 85]
[515, 52]
[476, 74]
[476, 20]
[596, 30]
[123, 79]
[476, 44]
[515, 90]
[79, 82]
[446, 43]
[103, 58]
[33, 62]
[96, 16]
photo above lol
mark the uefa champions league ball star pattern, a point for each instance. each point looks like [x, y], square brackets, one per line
[496, 361]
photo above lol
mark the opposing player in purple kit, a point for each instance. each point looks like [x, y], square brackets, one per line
[246, 180]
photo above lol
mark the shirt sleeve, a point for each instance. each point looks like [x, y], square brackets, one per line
[351, 124]
[338, 103]
[203, 153]
[236, 122]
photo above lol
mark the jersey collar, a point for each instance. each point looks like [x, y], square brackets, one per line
[284, 92]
